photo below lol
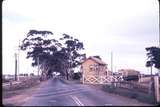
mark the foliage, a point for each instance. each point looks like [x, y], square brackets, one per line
[153, 57]
[51, 54]
[72, 47]
[77, 75]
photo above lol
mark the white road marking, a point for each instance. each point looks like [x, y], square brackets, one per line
[65, 94]
[78, 102]
[60, 92]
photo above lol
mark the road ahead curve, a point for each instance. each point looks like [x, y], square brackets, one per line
[55, 92]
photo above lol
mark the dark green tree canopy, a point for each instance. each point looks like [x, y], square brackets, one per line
[153, 57]
[52, 54]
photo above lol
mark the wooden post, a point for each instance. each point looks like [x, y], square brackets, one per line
[83, 77]
[156, 85]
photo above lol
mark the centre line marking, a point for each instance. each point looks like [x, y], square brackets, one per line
[78, 102]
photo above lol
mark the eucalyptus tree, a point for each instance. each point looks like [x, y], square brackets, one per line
[51, 54]
[153, 57]
[72, 48]
[39, 47]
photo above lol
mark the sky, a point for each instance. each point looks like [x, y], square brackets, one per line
[123, 27]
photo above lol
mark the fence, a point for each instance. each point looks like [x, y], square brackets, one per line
[141, 87]
[22, 83]
[144, 79]
[90, 79]
[132, 85]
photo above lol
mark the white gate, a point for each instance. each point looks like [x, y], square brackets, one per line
[99, 79]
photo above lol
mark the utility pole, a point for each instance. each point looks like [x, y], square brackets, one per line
[111, 62]
[151, 70]
[15, 66]
[38, 65]
[18, 61]
[115, 69]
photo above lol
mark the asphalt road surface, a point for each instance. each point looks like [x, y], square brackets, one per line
[56, 92]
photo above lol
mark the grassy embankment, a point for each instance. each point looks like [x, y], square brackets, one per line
[131, 93]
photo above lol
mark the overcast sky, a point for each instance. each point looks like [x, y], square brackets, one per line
[125, 27]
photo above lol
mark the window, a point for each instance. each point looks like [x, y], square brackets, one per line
[91, 68]
[94, 67]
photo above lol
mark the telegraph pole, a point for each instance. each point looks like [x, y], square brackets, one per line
[18, 60]
[151, 70]
[38, 65]
[111, 61]
[15, 66]
[115, 69]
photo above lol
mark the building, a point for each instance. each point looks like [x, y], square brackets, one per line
[94, 70]
[129, 74]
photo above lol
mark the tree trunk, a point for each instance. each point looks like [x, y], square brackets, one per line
[67, 75]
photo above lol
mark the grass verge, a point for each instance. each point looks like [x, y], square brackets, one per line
[143, 97]
[19, 88]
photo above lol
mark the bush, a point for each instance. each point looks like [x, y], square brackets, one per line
[76, 76]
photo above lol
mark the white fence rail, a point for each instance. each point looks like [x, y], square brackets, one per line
[99, 79]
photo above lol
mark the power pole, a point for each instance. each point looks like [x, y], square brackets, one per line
[151, 68]
[38, 65]
[15, 66]
[115, 69]
[18, 60]
[111, 61]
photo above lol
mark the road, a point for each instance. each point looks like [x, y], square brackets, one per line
[56, 92]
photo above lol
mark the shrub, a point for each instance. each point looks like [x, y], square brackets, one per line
[76, 76]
